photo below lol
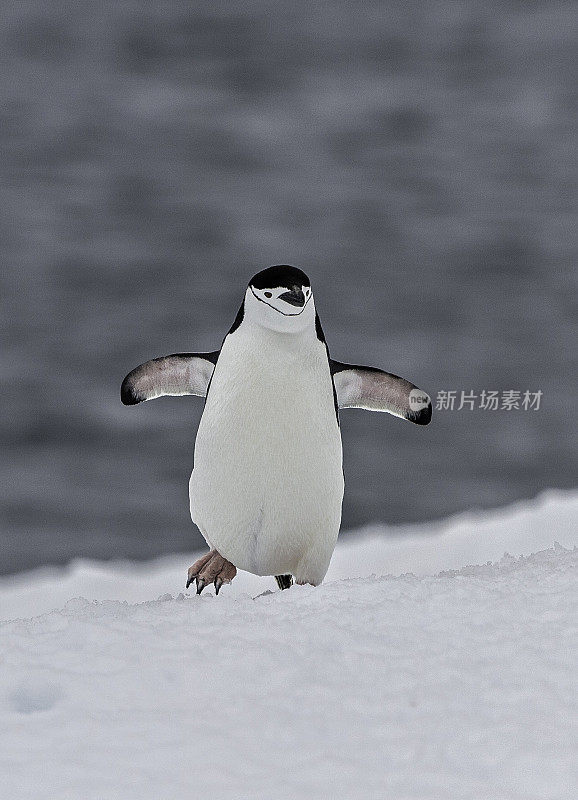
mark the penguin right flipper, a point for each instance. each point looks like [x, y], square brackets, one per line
[178, 374]
[375, 390]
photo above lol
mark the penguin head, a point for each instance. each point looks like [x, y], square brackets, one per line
[280, 298]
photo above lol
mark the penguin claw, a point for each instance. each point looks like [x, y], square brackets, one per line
[198, 567]
[211, 568]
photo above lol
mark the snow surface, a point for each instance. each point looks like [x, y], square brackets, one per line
[452, 684]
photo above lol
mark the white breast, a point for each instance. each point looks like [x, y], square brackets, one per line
[267, 485]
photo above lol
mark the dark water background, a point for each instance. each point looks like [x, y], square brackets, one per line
[416, 159]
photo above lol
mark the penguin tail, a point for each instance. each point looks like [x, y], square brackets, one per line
[284, 581]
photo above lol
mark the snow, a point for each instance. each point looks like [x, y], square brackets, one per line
[452, 682]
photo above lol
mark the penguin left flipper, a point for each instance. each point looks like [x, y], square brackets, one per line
[376, 390]
[177, 374]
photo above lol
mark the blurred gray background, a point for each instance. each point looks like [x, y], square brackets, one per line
[416, 159]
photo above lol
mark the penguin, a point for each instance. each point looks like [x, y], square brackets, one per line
[267, 484]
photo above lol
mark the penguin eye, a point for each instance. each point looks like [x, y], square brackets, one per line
[268, 294]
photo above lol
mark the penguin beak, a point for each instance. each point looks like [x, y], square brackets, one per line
[294, 297]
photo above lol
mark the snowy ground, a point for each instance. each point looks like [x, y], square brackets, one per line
[453, 682]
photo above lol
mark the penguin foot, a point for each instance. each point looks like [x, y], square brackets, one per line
[284, 581]
[212, 568]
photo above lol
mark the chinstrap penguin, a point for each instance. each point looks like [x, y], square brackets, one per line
[267, 484]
